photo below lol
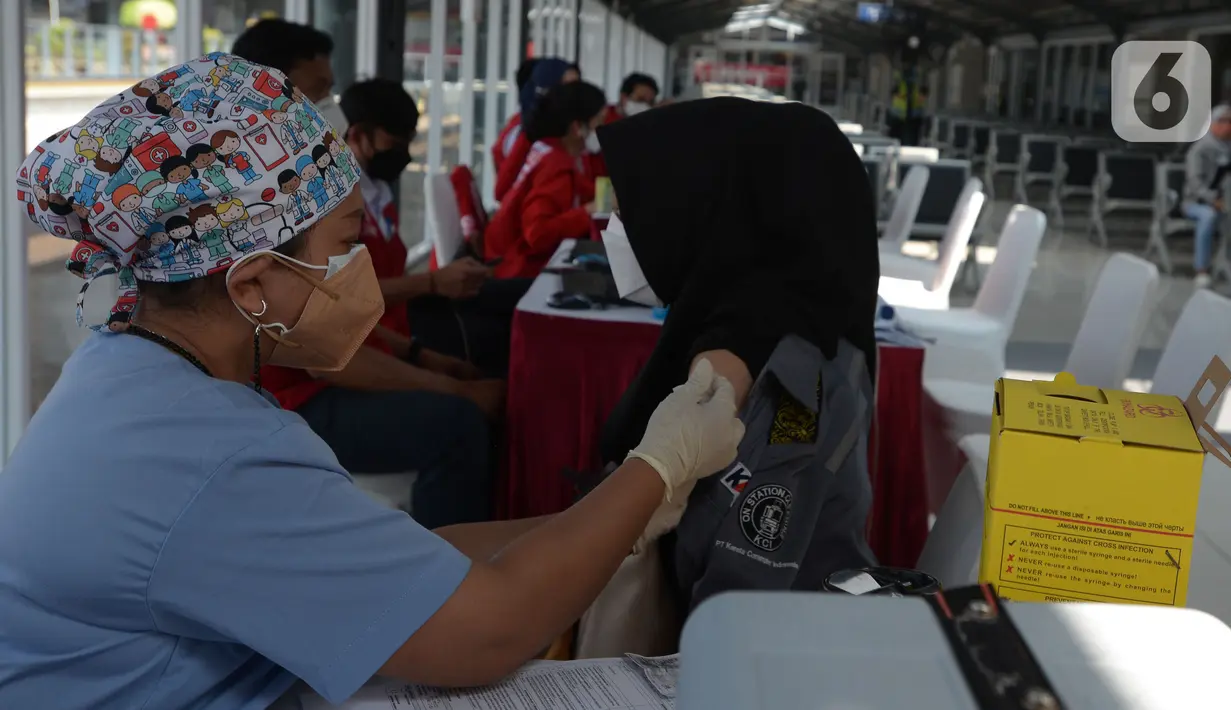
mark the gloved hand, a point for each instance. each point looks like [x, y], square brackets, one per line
[693, 433]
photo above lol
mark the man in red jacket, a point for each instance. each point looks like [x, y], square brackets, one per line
[397, 406]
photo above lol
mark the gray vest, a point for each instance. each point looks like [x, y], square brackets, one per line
[793, 506]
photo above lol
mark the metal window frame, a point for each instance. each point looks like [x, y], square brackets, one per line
[367, 34]
[491, 94]
[538, 8]
[515, 53]
[188, 28]
[470, 29]
[14, 257]
[297, 11]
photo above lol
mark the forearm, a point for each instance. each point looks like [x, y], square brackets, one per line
[482, 541]
[553, 573]
[372, 369]
[406, 287]
[545, 235]
[398, 343]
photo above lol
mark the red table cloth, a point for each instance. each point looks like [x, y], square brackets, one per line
[566, 374]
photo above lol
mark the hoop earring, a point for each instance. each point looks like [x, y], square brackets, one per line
[256, 348]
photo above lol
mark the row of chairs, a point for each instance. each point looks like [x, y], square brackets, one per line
[915, 282]
[1103, 170]
[969, 343]
[887, 164]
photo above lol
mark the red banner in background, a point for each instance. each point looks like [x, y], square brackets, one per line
[765, 75]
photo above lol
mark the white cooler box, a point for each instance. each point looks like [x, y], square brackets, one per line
[778, 651]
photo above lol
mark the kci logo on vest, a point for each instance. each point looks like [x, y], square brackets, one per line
[1160, 91]
[764, 514]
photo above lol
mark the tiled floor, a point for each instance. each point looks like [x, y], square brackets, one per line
[1065, 272]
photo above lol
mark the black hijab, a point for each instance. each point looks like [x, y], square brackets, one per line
[752, 221]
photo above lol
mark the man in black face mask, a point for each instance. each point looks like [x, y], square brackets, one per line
[457, 310]
[383, 120]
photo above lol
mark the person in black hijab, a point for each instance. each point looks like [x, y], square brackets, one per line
[755, 223]
[750, 220]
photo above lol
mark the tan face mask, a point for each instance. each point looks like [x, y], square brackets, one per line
[339, 315]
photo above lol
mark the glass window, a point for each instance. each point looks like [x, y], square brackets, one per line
[340, 20]
[1049, 73]
[97, 39]
[103, 47]
[224, 20]
[1063, 92]
[1029, 84]
[1101, 109]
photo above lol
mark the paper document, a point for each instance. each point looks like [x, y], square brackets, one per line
[661, 672]
[598, 684]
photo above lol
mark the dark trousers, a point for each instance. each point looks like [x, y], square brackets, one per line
[444, 438]
[476, 329]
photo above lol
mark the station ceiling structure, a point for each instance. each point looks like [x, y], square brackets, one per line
[836, 22]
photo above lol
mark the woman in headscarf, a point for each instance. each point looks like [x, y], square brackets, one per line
[552, 199]
[170, 538]
[755, 224]
[508, 134]
[548, 73]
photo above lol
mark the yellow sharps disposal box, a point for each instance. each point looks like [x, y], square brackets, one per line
[1091, 493]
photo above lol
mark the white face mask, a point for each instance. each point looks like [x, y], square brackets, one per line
[632, 108]
[592, 145]
[332, 112]
[630, 281]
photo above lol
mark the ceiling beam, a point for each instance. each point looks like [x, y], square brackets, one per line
[697, 19]
[1113, 18]
[660, 12]
[995, 11]
[869, 34]
[937, 18]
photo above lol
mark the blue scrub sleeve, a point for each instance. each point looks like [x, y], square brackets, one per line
[281, 553]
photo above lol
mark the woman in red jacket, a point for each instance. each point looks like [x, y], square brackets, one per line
[512, 127]
[552, 199]
[548, 73]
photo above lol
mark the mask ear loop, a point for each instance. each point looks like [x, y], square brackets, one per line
[256, 347]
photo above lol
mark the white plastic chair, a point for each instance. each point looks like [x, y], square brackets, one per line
[969, 342]
[906, 281]
[444, 219]
[1101, 356]
[905, 207]
[1203, 331]
[393, 490]
[951, 552]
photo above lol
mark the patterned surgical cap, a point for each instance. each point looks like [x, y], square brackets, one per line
[180, 175]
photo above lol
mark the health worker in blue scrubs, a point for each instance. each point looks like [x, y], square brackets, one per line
[170, 538]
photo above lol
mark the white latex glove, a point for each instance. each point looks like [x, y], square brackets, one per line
[693, 433]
